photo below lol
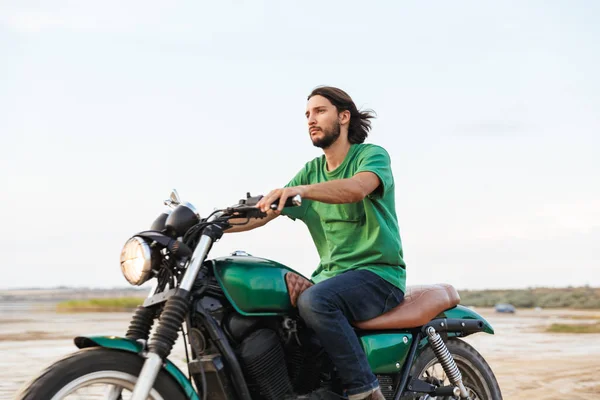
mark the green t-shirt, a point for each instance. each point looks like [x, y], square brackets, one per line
[362, 235]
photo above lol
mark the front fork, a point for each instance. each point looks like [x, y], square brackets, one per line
[172, 317]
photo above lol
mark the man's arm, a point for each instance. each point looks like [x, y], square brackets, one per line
[252, 223]
[343, 191]
[338, 191]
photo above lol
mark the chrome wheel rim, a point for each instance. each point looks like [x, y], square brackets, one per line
[105, 385]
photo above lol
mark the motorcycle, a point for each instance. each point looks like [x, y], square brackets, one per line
[245, 338]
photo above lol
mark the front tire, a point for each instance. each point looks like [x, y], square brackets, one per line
[97, 371]
[478, 378]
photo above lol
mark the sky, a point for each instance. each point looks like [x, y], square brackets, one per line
[490, 112]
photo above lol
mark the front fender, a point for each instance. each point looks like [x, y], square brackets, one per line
[130, 345]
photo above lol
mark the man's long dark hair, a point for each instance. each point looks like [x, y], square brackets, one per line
[359, 120]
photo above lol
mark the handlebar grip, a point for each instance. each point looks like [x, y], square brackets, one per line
[290, 202]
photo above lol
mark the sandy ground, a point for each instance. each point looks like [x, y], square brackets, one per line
[528, 363]
[531, 364]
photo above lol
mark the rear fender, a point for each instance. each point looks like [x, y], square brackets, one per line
[462, 312]
[130, 345]
[459, 312]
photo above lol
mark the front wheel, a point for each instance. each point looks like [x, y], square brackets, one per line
[478, 378]
[97, 373]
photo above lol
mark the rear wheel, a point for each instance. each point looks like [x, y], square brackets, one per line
[478, 378]
[98, 373]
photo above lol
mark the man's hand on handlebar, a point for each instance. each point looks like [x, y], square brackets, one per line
[281, 195]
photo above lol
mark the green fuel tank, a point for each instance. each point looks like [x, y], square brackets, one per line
[254, 286]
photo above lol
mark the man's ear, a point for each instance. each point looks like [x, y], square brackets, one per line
[344, 117]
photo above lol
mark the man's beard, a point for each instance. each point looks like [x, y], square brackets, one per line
[329, 136]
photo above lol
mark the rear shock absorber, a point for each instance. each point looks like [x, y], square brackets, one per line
[445, 358]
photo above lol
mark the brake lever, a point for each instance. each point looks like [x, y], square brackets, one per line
[246, 211]
[248, 205]
[252, 200]
[256, 213]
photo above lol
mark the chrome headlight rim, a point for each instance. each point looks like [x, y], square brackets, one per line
[133, 275]
[191, 207]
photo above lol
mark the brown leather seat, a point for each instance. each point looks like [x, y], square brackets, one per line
[421, 304]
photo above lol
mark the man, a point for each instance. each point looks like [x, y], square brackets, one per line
[349, 208]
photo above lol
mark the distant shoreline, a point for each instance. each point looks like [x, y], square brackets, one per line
[60, 294]
[585, 298]
[119, 304]
[570, 297]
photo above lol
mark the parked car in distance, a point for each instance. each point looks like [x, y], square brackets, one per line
[505, 308]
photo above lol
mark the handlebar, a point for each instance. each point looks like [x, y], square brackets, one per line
[290, 202]
[248, 206]
[253, 201]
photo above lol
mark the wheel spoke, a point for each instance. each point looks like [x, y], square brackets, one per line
[444, 378]
[113, 392]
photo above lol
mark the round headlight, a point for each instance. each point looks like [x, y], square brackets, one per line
[136, 261]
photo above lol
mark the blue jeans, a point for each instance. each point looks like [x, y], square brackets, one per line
[327, 308]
